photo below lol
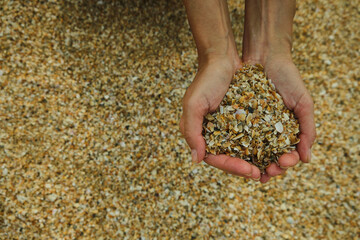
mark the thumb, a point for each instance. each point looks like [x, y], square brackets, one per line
[304, 110]
[191, 127]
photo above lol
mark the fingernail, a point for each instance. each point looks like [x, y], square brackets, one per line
[283, 167]
[249, 174]
[309, 157]
[257, 179]
[194, 156]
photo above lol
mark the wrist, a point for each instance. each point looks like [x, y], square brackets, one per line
[268, 29]
[231, 60]
[261, 51]
[228, 64]
[222, 50]
[210, 24]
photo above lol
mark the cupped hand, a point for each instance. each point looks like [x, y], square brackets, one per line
[207, 91]
[286, 77]
[203, 96]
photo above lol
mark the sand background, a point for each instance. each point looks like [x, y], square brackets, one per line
[90, 101]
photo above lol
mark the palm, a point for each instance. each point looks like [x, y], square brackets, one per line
[286, 78]
[209, 87]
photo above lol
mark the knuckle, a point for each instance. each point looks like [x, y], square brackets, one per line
[187, 135]
[195, 103]
[307, 101]
[190, 102]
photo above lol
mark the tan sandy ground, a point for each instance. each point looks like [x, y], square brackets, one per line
[90, 99]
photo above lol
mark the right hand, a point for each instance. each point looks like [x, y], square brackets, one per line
[286, 77]
[204, 95]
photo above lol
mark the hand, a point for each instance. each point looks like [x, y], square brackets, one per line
[218, 60]
[286, 77]
[267, 40]
[203, 96]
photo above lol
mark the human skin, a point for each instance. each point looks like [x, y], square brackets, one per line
[266, 40]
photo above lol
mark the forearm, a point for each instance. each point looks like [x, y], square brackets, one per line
[268, 28]
[210, 24]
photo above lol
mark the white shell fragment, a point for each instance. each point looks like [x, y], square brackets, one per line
[267, 118]
[52, 197]
[240, 111]
[279, 127]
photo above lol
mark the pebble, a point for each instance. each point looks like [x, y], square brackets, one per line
[231, 196]
[21, 198]
[52, 197]
[290, 220]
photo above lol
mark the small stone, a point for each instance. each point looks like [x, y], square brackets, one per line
[290, 220]
[21, 198]
[327, 62]
[5, 171]
[52, 197]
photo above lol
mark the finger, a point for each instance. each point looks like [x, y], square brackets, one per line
[256, 174]
[304, 111]
[182, 125]
[232, 165]
[289, 160]
[264, 178]
[273, 170]
[192, 120]
[304, 148]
